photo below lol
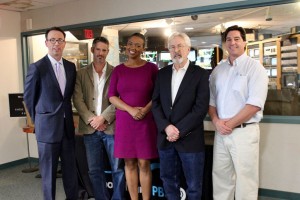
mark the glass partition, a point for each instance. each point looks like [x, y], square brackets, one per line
[275, 43]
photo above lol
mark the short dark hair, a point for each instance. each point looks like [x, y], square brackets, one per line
[100, 39]
[54, 29]
[140, 36]
[235, 28]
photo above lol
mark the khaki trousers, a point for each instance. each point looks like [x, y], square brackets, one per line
[235, 164]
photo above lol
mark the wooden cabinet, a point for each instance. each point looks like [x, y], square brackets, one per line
[280, 57]
[266, 52]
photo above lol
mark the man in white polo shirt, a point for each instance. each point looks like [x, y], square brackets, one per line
[238, 90]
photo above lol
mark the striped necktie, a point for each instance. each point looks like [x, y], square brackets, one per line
[60, 75]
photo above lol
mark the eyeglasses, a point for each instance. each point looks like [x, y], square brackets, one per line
[53, 41]
[179, 47]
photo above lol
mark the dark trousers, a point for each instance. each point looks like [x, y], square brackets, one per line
[192, 165]
[95, 144]
[49, 154]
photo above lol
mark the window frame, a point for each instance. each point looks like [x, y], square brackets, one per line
[168, 14]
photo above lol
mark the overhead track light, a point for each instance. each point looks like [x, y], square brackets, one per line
[268, 16]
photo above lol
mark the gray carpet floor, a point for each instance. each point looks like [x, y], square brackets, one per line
[16, 185]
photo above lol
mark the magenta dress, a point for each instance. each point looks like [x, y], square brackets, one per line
[134, 86]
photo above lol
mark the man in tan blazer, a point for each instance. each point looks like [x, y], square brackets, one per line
[97, 121]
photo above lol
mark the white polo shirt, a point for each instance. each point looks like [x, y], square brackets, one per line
[234, 86]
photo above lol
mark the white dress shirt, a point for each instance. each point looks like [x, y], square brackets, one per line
[234, 86]
[177, 77]
[99, 82]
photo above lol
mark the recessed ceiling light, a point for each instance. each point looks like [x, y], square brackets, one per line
[168, 32]
[169, 21]
[189, 28]
[203, 42]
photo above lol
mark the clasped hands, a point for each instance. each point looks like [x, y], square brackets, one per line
[98, 123]
[222, 127]
[172, 133]
[138, 113]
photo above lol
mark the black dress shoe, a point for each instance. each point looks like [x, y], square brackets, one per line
[58, 175]
[38, 176]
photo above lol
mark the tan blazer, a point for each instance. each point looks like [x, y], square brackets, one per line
[83, 99]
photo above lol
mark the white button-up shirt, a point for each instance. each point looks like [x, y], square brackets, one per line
[177, 77]
[234, 86]
[99, 83]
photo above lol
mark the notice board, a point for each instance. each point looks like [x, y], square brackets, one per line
[16, 107]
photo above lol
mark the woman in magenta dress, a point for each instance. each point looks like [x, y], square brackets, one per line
[130, 90]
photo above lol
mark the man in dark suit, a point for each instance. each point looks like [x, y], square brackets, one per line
[180, 104]
[49, 86]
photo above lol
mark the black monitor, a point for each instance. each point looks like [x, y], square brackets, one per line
[289, 80]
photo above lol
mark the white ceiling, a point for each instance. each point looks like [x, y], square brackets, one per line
[24, 5]
[275, 20]
[206, 28]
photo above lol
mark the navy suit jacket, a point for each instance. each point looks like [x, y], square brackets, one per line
[188, 110]
[50, 111]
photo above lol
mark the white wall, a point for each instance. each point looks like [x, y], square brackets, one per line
[279, 157]
[12, 140]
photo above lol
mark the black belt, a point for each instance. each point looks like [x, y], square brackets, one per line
[243, 125]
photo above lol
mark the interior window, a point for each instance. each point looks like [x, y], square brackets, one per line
[273, 38]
